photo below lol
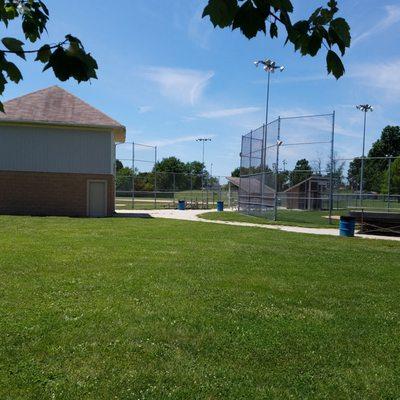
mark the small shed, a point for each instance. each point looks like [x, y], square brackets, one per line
[57, 156]
[308, 194]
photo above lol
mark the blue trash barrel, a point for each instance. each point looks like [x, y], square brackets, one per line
[181, 205]
[347, 226]
[220, 206]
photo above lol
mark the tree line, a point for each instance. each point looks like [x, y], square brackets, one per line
[376, 164]
[301, 171]
[169, 174]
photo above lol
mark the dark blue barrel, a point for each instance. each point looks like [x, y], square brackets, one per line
[347, 226]
[220, 206]
[181, 205]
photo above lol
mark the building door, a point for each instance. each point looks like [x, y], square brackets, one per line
[97, 198]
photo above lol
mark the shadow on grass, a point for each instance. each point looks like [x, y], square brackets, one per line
[132, 215]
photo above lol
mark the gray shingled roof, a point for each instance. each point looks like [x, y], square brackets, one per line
[249, 184]
[55, 105]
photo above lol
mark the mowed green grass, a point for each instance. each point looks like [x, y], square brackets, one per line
[311, 219]
[155, 309]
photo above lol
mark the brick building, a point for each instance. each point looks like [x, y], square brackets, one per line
[57, 156]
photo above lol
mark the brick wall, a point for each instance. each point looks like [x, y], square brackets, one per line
[44, 193]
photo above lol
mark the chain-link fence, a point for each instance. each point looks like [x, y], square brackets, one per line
[272, 181]
[290, 166]
[139, 185]
[381, 184]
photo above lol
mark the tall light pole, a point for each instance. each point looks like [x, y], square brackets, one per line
[269, 67]
[203, 141]
[364, 108]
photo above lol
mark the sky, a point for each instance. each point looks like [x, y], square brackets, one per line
[170, 77]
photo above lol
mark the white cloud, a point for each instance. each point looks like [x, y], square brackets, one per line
[382, 76]
[144, 109]
[185, 86]
[228, 112]
[392, 17]
[177, 140]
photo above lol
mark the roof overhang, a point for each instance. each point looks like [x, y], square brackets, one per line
[119, 132]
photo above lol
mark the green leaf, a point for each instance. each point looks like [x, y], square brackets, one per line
[1, 107]
[342, 29]
[3, 82]
[43, 54]
[334, 64]
[315, 14]
[286, 5]
[221, 12]
[314, 43]
[12, 71]
[14, 45]
[34, 21]
[73, 62]
[334, 38]
[45, 9]
[273, 30]
[249, 20]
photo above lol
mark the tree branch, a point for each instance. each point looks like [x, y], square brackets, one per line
[35, 51]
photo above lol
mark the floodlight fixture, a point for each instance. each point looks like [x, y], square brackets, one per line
[365, 107]
[269, 65]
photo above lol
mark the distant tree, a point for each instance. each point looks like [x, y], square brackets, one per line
[170, 164]
[388, 144]
[123, 179]
[337, 172]
[301, 172]
[283, 180]
[374, 169]
[317, 166]
[67, 58]
[353, 174]
[236, 172]
[195, 167]
[394, 178]
[322, 30]
[118, 165]
[174, 174]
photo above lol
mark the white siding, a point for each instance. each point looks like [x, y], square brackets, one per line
[46, 149]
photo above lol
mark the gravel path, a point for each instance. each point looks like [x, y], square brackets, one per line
[193, 215]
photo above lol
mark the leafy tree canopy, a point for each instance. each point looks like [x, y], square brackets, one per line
[323, 29]
[394, 176]
[236, 172]
[194, 167]
[302, 170]
[67, 59]
[388, 144]
[118, 165]
[374, 169]
[170, 164]
[173, 164]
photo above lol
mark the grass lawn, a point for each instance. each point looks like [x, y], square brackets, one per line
[312, 219]
[154, 309]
